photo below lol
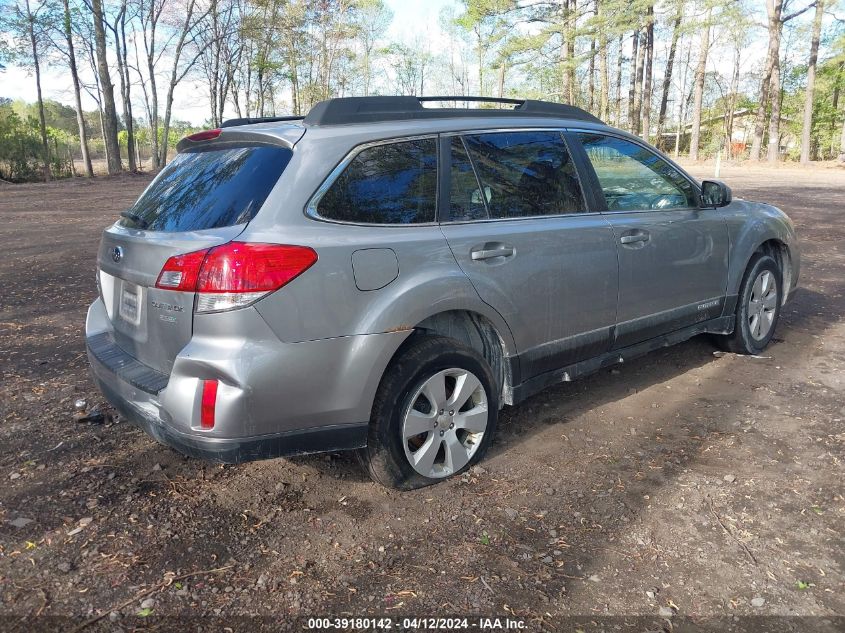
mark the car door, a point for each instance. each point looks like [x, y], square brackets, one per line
[673, 255]
[514, 215]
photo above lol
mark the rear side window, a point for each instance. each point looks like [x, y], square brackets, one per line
[524, 174]
[392, 183]
[634, 178]
[208, 189]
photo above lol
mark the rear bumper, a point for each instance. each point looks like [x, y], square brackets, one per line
[274, 398]
[139, 408]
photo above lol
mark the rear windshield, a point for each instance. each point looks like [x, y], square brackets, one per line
[208, 189]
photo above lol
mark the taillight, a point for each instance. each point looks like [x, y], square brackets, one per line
[181, 272]
[208, 403]
[236, 274]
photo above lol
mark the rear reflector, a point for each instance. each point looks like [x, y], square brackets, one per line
[208, 404]
[205, 135]
[236, 274]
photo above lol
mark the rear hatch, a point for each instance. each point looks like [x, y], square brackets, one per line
[203, 198]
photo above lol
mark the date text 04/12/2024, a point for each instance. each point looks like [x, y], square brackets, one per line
[416, 624]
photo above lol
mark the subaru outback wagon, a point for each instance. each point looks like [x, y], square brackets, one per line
[384, 276]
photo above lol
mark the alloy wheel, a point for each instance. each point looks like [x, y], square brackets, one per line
[762, 305]
[445, 423]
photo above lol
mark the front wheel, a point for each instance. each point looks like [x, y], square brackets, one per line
[434, 414]
[758, 307]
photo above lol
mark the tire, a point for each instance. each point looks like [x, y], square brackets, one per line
[451, 439]
[756, 319]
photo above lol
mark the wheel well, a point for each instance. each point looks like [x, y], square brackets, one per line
[478, 333]
[780, 253]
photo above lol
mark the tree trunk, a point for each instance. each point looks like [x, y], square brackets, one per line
[214, 71]
[127, 106]
[565, 90]
[635, 41]
[480, 51]
[109, 111]
[638, 86]
[42, 124]
[248, 88]
[729, 126]
[176, 76]
[774, 119]
[367, 69]
[570, 53]
[123, 72]
[98, 98]
[698, 98]
[591, 87]
[811, 80]
[604, 86]
[774, 9]
[649, 72]
[842, 139]
[667, 75]
[294, 86]
[74, 73]
[604, 82]
[836, 93]
[620, 59]
[682, 119]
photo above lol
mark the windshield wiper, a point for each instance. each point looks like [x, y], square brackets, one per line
[137, 219]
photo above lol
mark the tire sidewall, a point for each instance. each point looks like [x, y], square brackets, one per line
[433, 354]
[758, 265]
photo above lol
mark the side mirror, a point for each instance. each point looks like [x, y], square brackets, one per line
[715, 193]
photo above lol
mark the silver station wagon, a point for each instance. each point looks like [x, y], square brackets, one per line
[383, 275]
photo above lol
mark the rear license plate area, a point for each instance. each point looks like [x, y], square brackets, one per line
[130, 303]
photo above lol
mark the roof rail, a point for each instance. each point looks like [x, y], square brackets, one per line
[263, 119]
[347, 110]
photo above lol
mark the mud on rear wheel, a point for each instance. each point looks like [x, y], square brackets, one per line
[434, 414]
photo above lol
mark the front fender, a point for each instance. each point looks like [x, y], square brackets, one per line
[750, 225]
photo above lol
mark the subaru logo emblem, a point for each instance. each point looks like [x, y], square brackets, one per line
[116, 254]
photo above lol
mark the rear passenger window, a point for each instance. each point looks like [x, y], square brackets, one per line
[524, 174]
[393, 183]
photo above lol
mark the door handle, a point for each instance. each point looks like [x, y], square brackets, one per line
[489, 253]
[633, 238]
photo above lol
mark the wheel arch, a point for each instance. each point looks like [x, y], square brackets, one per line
[763, 237]
[478, 332]
[778, 250]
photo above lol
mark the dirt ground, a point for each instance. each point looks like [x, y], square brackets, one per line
[682, 491]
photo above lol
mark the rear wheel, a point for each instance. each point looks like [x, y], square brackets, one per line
[434, 414]
[757, 309]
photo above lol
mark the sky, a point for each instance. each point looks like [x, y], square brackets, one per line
[412, 20]
[18, 83]
[409, 14]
